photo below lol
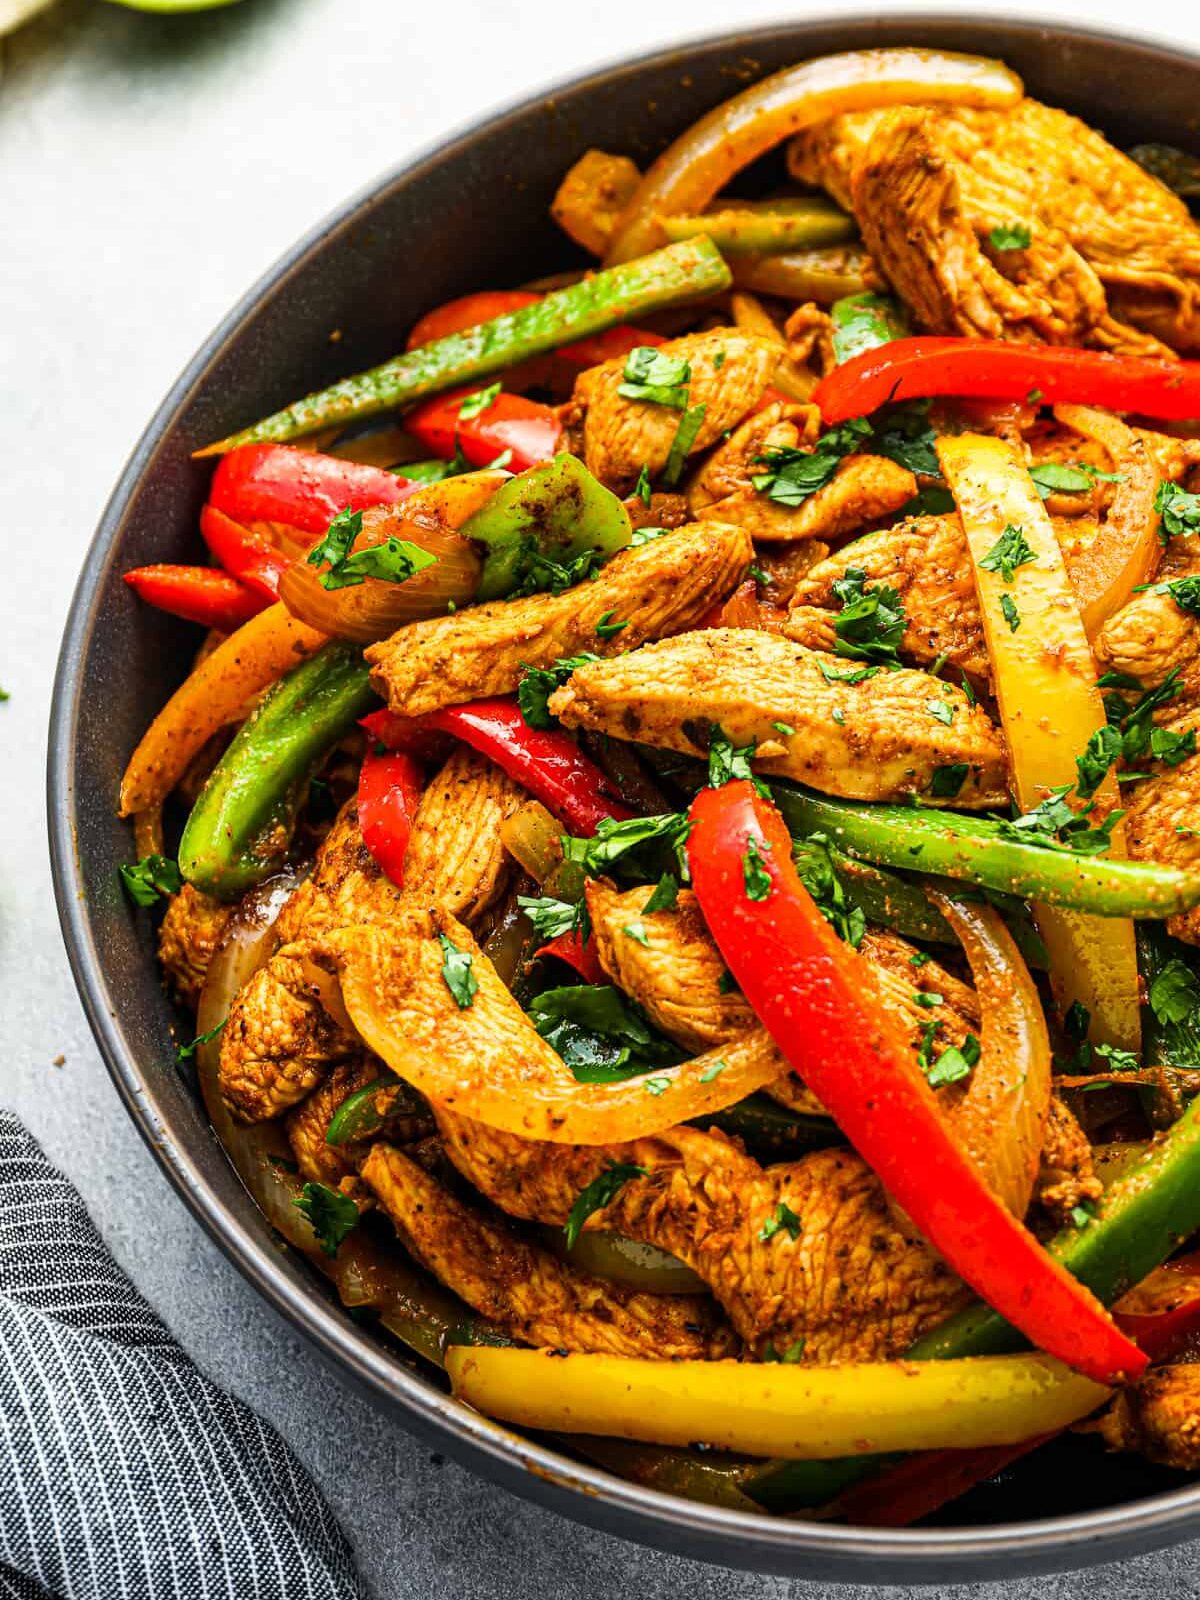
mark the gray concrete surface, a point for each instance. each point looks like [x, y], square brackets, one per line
[150, 168]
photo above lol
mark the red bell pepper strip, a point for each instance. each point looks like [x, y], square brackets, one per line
[471, 309]
[815, 997]
[389, 791]
[546, 761]
[529, 430]
[197, 594]
[990, 369]
[279, 483]
[243, 554]
[578, 953]
[923, 1483]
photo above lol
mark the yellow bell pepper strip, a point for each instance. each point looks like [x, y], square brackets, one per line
[216, 693]
[778, 1409]
[1126, 548]
[817, 999]
[1045, 682]
[674, 276]
[702, 161]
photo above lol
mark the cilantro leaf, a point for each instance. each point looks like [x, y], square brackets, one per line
[642, 488]
[541, 574]
[940, 711]
[1101, 750]
[333, 1215]
[782, 1217]
[754, 872]
[646, 535]
[151, 877]
[550, 917]
[727, 764]
[947, 781]
[1010, 551]
[539, 683]
[814, 864]
[393, 561]
[872, 620]
[685, 437]
[849, 675]
[637, 932]
[1172, 748]
[601, 1035]
[606, 628]
[598, 1194]
[1118, 1060]
[1136, 722]
[613, 841]
[792, 475]
[1055, 826]
[1179, 510]
[1175, 992]
[456, 972]
[185, 1052]
[1057, 477]
[665, 896]
[906, 438]
[1010, 236]
[655, 378]
[1008, 609]
[954, 1063]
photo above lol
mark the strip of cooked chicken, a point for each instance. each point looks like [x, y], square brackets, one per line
[928, 187]
[527, 1291]
[308, 1123]
[652, 590]
[281, 1038]
[864, 488]
[1150, 635]
[1159, 1416]
[730, 371]
[878, 739]
[1162, 825]
[806, 1257]
[191, 930]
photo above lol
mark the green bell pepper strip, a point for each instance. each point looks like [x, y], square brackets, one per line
[748, 227]
[956, 845]
[232, 838]
[682, 272]
[864, 321]
[772, 1132]
[1142, 1219]
[369, 1110]
[554, 513]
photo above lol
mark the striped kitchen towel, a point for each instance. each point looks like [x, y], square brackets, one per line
[124, 1473]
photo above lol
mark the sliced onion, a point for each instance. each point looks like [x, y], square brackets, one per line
[374, 609]
[820, 275]
[1001, 1118]
[1125, 551]
[702, 161]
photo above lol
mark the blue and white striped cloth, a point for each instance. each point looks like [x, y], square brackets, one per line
[124, 1473]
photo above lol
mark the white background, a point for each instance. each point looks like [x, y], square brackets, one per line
[150, 169]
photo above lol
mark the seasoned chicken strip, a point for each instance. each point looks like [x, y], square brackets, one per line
[864, 489]
[526, 1290]
[850, 1285]
[928, 187]
[455, 855]
[1066, 1177]
[1150, 635]
[654, 589]
[308, 1123]
[729, 372]
[191, 930]
[874, 740]
[1162, 825]
[1159, 1417]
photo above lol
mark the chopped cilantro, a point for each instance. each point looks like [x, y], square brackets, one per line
[727, 764]
[928, 1034]
[972, 698]
[785, 728]
[1184, 591]
[151, 877]
[849, 675]
[472, 405]
[658, 379]
[727, 983]
[788, 1357]
[656, 1085]
[637, 932]
[1175, 993]
[1008, 609]
[646, 536]
[1118, 1060]
[539, 683]
[905, 437]
[1083, 1214]
[1101, 750]
[1179, 510]
[613, 841]
[718, 360]
[331, 1214]
[931, 501]
[456, 972]
[665, 896]
[393, 561]
[783, 1217]
[1135, 722]
[1055, 826]
[185, 1052]
[541, 574]
[929, 998]
[1172, 748]
[642, 488]
[1058, 477]
[601, 1035]
[598, 1194]
[940, 711]
[754, 873]
[919, 958]
[871, 623]
[1010, 551]
[607, 629]
[759, 576]
[715, 1071]
[947, 781]
[954, 1063]
[685, 437]
[814, 863]
[1010, 236]
[792, 475]
[551, 918]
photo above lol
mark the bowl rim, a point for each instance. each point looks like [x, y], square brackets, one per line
[755, 1540]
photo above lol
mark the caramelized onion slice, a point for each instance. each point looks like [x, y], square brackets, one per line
[1001, 1118]
[374, 609]
[690, 172]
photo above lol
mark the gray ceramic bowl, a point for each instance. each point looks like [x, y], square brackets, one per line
[369, 270]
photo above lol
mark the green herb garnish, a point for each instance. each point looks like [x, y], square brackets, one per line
[598, 1194]
[456, 972]
[151, 878]
[1010, 551]
[331, 1214]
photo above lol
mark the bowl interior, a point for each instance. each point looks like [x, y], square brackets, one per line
[474, 214]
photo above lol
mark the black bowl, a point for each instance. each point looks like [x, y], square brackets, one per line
[469, 214]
